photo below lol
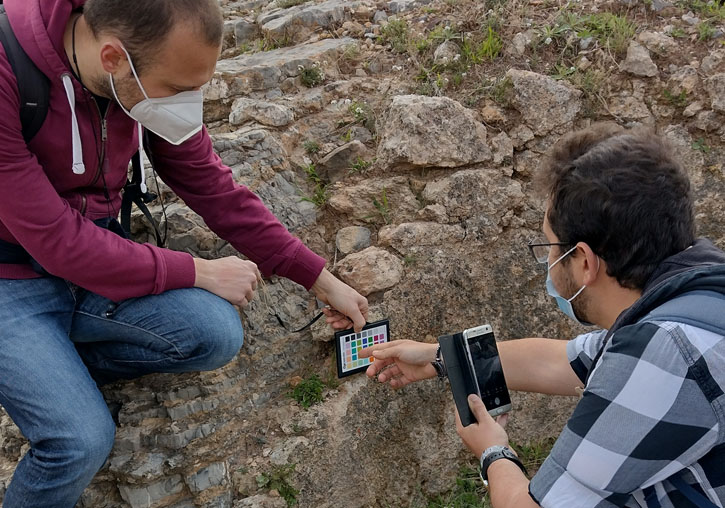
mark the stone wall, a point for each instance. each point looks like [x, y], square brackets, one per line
[425, 205]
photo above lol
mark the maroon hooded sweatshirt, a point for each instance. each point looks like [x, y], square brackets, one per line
[48, 209]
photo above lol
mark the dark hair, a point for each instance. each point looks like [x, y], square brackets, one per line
[623, 194]
[143, 25]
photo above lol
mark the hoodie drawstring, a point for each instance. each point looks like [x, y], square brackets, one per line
[78, 167]
[143, 187]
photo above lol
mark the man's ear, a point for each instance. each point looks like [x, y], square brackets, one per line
[113, 58]
[590, 263]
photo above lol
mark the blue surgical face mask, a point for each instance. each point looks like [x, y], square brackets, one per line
[563, 303]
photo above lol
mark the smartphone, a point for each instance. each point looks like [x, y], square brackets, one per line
[485, 365]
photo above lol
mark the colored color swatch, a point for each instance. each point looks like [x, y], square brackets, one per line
[351, 344]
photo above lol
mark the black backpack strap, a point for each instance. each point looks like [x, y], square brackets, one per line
[132, 195]
[33, 85]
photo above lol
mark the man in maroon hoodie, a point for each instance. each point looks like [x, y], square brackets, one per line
[106, 307]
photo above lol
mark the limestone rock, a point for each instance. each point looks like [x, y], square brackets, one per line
[151, 495]
[685, 79]
[266, 70]
[639, 62]
[716, 89]
[714, 62]
[280, 455]
[628, 108]
[521, 41]
[267, 113]
[661, 5]
[493, 115]
[503, 149]
[357, 201]
[370, 270]
[245, 31]
[281, 195]
[544, 103]
[380, 17]
[520, 135]
[707, 121]
[681, 142]
[298, 23]
[251, 145]
[482, 198]
[447, 53]
[692, 109]
[207, 477]
[658, 42]
[398, 6]
[352, 239]
[338, 163]
[424, 131]
[690, 18]
[526, 162]
[261, 501]
[417, 234]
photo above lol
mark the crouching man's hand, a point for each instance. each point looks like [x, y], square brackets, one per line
[401, 362]
[231, 278]
[347, 306]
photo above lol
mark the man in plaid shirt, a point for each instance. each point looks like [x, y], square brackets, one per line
[621, 253]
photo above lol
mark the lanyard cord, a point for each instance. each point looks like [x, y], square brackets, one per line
[265, 299]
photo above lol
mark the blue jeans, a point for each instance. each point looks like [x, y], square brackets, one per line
[58, 343]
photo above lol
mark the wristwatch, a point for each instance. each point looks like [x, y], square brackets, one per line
[439, 366]
[494, 453]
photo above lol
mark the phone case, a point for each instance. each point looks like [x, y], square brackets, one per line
[462, 380]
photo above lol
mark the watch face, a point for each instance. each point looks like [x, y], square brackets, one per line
[494, 453]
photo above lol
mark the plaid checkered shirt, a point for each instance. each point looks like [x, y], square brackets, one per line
[653, 409]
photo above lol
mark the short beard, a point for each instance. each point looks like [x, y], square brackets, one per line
[127, 90]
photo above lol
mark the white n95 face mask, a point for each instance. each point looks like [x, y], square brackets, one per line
[175, 118]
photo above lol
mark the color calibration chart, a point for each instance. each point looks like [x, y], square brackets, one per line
[348, 345]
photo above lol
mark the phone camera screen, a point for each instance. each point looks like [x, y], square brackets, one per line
[488, 370]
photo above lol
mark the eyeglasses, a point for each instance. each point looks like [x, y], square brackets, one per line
[540, 250]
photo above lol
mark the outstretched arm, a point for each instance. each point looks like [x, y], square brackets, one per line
[530, 365]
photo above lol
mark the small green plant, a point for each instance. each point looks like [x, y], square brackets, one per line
[395, 33]
[360, 165]
[678, 32]
[491, 45]
[270, 42]
[278, 479]
[351, 53]
[383, 207]
[311, 76]
[679, 100]
[311, 147]
[488, 49]
[347, 136]
[363, 114]
[320, 195]
[410, 260]
[562, 71]
[700, 145]
[533, 454]
[708, 8]
[309, 391]
[443, 33]
[467, 493]
[613, 31]
[590, 82]
[705, 31]
[502, 90]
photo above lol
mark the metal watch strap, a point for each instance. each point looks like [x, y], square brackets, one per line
[493, 454]
[439, 366]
